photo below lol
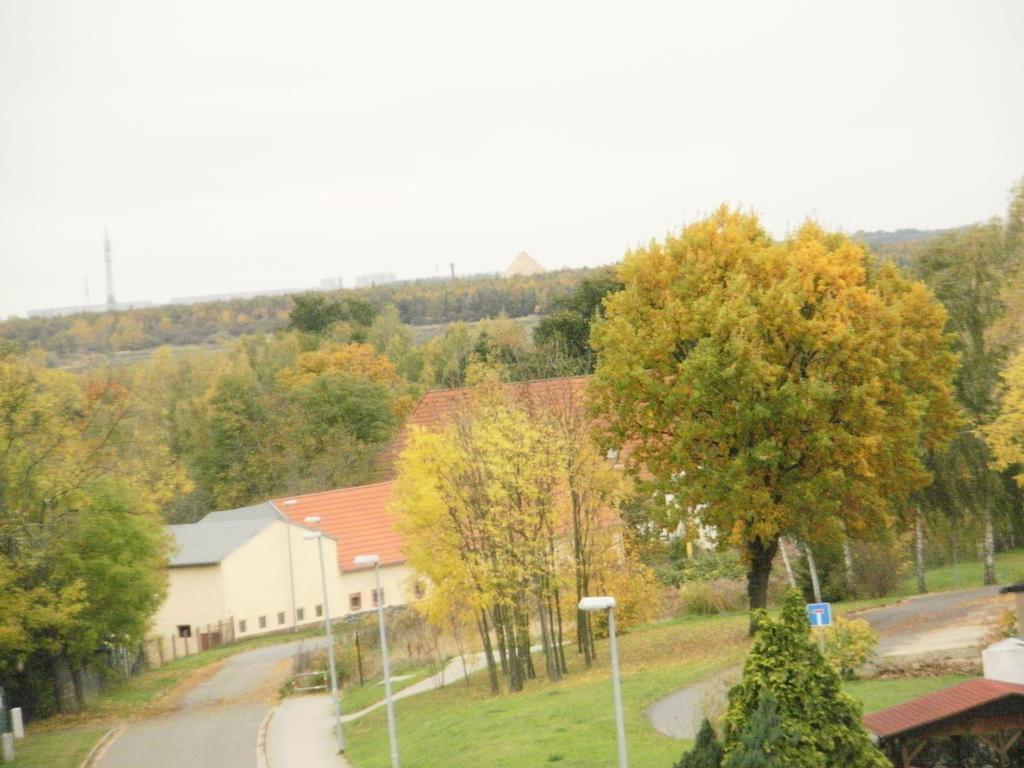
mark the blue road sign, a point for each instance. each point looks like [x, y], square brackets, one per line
[819, 614]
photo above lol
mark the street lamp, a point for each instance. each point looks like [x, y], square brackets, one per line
[593, 604]
[335, 701]
[374, 561]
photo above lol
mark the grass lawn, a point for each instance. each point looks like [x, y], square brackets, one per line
[967, 574]
[361, 696]
[570, 723]
[56, 749]
[879, 694]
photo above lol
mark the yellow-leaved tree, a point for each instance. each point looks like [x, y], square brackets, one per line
[780, 387]
[1005, 434]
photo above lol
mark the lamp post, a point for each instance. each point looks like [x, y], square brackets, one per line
[594, 604]
[374, 560]
[335, 701]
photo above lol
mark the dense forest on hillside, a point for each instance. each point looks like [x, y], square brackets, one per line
[420, 302]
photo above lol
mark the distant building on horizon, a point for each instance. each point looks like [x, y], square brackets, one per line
[377, 278]
[523, 265]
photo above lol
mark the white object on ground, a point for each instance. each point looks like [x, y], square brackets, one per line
[17, 724]
[7, 747]
[1004, 661]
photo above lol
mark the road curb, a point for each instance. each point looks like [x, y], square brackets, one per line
[262, 758]
[101, 746]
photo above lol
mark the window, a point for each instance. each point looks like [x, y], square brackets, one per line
[280, 618]
[300, 614]
[241, 626]
[184, 630]
[263, 622]
[355, 602]
[319, 611]
[378, 599]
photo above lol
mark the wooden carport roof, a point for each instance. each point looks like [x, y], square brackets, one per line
[989, 709]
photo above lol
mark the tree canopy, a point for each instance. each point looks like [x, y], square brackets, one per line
[778, 388]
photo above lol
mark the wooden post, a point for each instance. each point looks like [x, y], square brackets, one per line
[186, 645]
[174, 646]
[160, 649]
[359, 658]
[220, 632]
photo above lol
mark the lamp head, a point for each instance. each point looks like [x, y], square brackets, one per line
[310, 535]
[312, 520]
[366, 560]
[601, 603]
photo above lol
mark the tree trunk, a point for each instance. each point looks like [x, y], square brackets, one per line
[813, 568]
[990, 547]
[759, 556]
[485, 638]
[786, 564]
[848, 563]
[919, 552]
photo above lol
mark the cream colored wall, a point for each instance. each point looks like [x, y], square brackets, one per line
[257, 581]
[195, 596]
[395, 580]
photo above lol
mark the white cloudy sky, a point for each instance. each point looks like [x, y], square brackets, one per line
[241, 145]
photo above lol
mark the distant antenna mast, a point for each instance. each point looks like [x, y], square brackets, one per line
[452, 265]
[109, 258]
[85, 287]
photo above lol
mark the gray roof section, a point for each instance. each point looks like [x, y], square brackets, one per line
[264, 511]
[207, 543]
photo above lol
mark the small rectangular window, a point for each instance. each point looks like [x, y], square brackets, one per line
[319, 611]
[300, 614]
[280, 618]
[263, 622]
[378, 598]
[184, 630]
[241, 626]
[355, 602]
[418, 590]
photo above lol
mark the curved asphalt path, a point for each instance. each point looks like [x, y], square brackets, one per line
[943, 624]
[216, 724]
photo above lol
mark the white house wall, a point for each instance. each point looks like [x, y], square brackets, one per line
[395, 580]
[257, 581]
[195, 596]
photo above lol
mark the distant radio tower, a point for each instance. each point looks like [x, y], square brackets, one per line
[85, 286]
[109, 258]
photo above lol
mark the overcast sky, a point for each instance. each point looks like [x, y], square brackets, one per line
[244, 145]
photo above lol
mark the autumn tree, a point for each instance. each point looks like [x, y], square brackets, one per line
[778, 387]
[1005, 434]
[967, 269]
[81, 543]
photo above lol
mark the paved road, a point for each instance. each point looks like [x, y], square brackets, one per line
[217, 722]
[943, 624]
[946, 623]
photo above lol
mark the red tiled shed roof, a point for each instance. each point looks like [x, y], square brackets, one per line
[438, 408]
[358, 518]
[946, 704]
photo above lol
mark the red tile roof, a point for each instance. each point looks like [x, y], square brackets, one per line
[932, 708]
[358, 518]
[439, 407]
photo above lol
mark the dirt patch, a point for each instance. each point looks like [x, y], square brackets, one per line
[938, 667]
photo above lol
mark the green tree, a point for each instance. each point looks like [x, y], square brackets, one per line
[814, 724]
[314, 313]
[566, 329]
[967, 269]
[777, 388]
[762, 739]
[707, 751]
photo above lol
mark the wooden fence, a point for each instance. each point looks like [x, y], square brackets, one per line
[188, 640]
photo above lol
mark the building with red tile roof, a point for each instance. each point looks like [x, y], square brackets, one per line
[358, 518]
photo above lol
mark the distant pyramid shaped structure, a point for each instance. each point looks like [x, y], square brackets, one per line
[524, 265]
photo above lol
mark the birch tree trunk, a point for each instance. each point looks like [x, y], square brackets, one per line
[848, 562]
[990, 547]
[813, 568]
[919, 552]
[785, 563]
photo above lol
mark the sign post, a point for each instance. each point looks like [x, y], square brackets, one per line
[819, 615]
